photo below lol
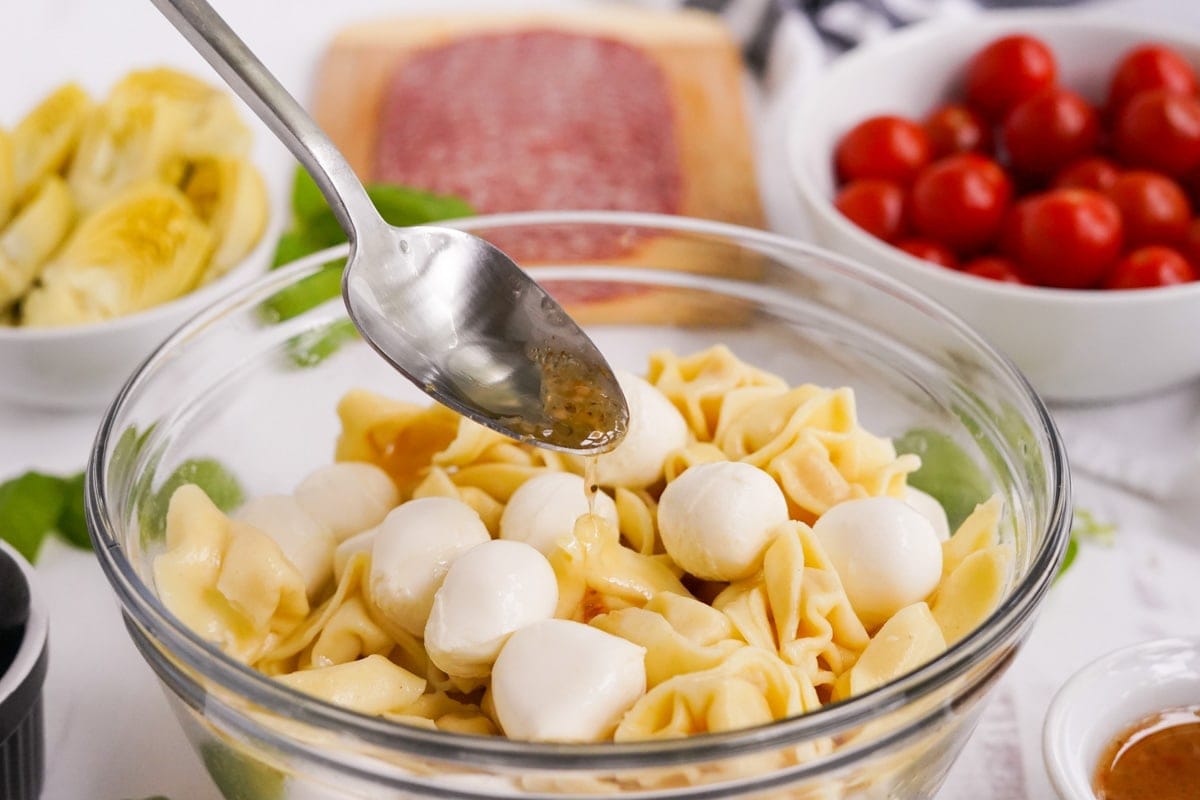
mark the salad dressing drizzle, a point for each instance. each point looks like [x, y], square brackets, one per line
[590, 486]
[1156, 759]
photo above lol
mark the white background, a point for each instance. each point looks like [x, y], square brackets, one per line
[110, 735]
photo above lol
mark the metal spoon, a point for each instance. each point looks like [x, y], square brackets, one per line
[450, 311]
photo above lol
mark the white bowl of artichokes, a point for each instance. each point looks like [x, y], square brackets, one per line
[119, 218]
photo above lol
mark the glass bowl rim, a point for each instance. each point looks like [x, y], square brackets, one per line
[143, 608]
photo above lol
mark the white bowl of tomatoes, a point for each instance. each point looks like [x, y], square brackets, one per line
[1038, 172]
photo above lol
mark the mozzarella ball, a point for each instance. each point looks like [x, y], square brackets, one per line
[491, 590]
[349, 496]
[716, 520]
[562, 681]
[414, 547]
[931, 509]
[655, 429]
[304, 540]
[885, 551]
[544, 509]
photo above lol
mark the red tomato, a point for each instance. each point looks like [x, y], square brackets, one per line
[1154, 210]
[956, 128]
[1146, 68]
[887, 148]
[960, 201]
[1160, 130]
[994, 268]
[1048, 131]
[1006, 72]
[1095, 173]
[875, 206]
[1190, 183]
[1149, 267]
[930, 251]
[1067, 238]
[1191, 243]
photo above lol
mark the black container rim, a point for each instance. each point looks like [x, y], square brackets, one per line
[21, 685]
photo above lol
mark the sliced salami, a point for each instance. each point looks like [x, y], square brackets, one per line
[531, 120]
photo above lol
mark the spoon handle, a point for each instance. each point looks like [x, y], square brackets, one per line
[240, 68]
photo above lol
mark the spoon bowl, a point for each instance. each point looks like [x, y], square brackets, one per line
[521, 366]
[450, 311]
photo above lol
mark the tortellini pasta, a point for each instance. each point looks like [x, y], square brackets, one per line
[783, 638]
[797, 607]
[370, 685]
[227, 581]
[680, 634]
[750, 687]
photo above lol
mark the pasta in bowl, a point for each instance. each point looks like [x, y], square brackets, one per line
[748, 597]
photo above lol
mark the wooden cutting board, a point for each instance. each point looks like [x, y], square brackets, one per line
[699, 61]
[705, 161]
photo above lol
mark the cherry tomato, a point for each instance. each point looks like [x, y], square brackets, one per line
[1160, 130]
[1148, 267]
[1191, 243]
[887, 148]
[960, 201]
[1006, 72]
[1154, 210]
[875, 206]
[956, 128]
[1095, 173]
[994, 268]
[1149, 67]
[1190, 183]
[1067, 238]
[1048, 131]
[930, 251]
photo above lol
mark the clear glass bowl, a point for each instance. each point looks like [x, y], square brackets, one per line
[235, 384]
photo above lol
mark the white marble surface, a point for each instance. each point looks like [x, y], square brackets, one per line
[110, 734]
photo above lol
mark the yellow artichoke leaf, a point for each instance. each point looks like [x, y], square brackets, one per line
[44, 141]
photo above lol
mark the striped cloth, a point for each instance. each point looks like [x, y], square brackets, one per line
[768, 27]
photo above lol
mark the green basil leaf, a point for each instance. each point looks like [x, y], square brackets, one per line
[213, 478]
[1069, 558]
[322, 230]
[239, 777]
[72, 522]
[307, 200]
[315, 228]
[305, 294]
[1085, 528]
[947, 473]
[402, 206]
[292, 246]
[312, 347]
[30, 506]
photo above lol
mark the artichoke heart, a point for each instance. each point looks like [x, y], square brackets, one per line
[44, 140]
[34, 234]
[8, 178]
[214, 126]
[229, 194]
[145, 247]
[125, 143]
